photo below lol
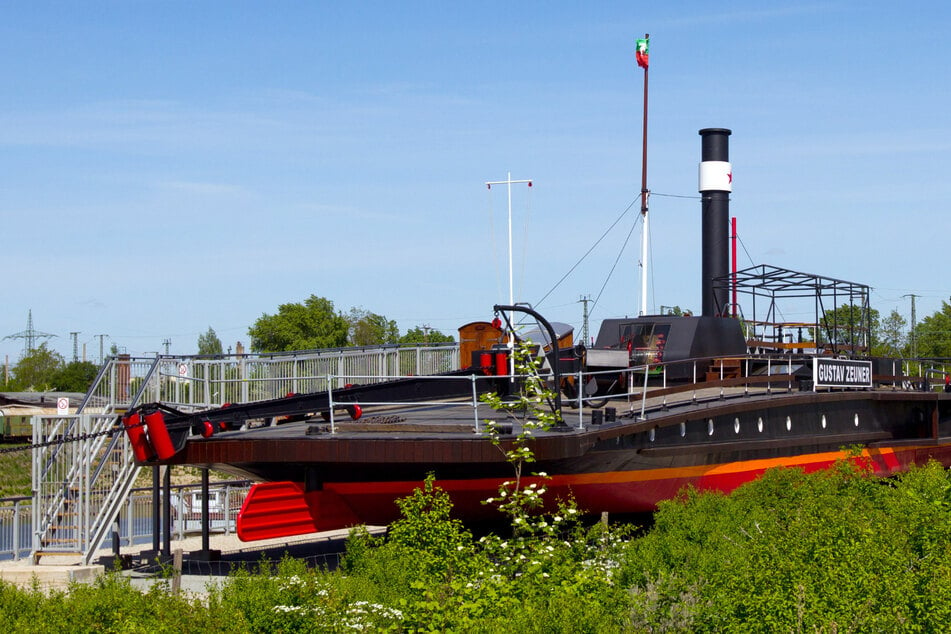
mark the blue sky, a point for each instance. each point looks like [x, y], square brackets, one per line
[170, 166]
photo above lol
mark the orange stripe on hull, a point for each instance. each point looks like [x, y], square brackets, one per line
[278, 509]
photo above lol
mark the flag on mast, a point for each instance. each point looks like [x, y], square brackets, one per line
[641, 54]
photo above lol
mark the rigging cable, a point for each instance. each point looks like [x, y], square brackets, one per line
[616, 260]
[588, 252]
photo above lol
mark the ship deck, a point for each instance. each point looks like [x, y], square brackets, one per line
[455, 431]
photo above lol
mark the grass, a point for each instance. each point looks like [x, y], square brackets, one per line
[15, 471]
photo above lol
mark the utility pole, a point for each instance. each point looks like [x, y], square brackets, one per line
[74, 335]
[167, 343]
[101, 356]
[912, 336]
[584, 324]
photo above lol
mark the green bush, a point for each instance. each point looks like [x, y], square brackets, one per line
[834, 550]
[831, 551]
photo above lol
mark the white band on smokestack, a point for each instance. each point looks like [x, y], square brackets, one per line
[716, 176]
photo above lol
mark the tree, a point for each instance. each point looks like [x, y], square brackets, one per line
[209, 343]
[846, 326]
[313, 324]
[370, 329]
[933, 333]
[75, 376]
[37, 370]
[421, 334]
[891, 340]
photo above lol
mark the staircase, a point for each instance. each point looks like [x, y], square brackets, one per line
[726, 368]
[82, 478]
[83, 466]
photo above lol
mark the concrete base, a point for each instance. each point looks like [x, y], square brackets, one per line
[205, 555]
[49, 577]
[151, 558]
[116, 562]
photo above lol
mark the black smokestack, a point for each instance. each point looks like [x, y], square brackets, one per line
[716, 183]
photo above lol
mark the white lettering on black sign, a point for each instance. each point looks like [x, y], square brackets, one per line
[841, 373]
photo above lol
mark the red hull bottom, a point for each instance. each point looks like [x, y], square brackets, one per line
[283, 509]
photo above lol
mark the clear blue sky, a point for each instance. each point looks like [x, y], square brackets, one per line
[170, 166]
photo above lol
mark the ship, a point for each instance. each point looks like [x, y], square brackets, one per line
[654, 404]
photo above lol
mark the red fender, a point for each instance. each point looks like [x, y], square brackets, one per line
[137, 438]
[158, 434]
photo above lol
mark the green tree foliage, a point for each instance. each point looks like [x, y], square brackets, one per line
[370, 329]
[847, 326]
[933, 333]
[892, 340]
[209, 343]
[37, 370]
[300, 326]
[75, 376]
[425, 335]
[830, 551]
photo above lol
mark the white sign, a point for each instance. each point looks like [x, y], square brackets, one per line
[183, 369]
[841, 373]
[62, 406]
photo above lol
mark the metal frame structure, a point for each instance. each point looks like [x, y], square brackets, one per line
[84, 469]
[773, 283]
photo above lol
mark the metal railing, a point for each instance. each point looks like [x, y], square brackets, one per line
[82, 474]
[133, 522]
[650, 386]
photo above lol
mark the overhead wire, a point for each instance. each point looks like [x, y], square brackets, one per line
[588, 252]
[616, 260]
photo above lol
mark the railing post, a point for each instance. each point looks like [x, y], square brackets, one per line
[644, 393]
[181, 519]
[330, 403]
[664, 386]
[746, 375]
[694, 381]
[227, 510]
[475, 402]
[16, 531]
[721, 377]
[580, 387]
[129, 520]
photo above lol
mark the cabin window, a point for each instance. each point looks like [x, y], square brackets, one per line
[645, 340]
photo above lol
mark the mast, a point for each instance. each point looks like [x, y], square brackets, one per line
[642, 61]
[508, 181]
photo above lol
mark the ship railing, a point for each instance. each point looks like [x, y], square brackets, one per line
[639, 383]
[657, 385]
[207, 382]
